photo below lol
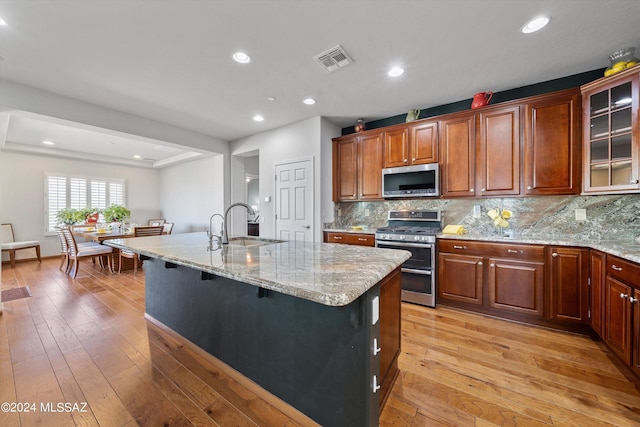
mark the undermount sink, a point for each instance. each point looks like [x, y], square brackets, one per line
[248, 241]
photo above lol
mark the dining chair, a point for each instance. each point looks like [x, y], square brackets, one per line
[148, 230]
[77, 251]
[158, 221]
[64, 249]
[168, 226]
[10, 245]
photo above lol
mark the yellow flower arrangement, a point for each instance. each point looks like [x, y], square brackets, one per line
[500, 217]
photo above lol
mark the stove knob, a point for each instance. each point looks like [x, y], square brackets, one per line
[425, 238]
[402, 237]
[416, 237]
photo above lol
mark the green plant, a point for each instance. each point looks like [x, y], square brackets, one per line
[69, 216]
[116, 213]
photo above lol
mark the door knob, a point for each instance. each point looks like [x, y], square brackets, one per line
[306, 226]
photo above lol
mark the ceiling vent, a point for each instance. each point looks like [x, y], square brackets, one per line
[334, 58]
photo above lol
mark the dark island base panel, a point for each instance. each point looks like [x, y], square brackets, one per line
[317, 358]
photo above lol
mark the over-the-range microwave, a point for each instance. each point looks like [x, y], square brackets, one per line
[411, 181]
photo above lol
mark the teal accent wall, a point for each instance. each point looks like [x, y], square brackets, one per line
[562, 83]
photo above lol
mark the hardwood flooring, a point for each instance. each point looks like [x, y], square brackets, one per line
[86, 340]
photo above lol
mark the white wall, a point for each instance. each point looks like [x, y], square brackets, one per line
[299, 140]
[192, 192]
[22, 193]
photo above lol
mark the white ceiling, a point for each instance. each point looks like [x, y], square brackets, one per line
[170, 60]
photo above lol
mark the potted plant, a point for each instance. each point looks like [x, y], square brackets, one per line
[116, 213]
[69, 216]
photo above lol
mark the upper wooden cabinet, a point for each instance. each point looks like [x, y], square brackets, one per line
[414, 144]
[552, 155]
[357, 167]
[611, 133]
[458, 160]
[481, 152]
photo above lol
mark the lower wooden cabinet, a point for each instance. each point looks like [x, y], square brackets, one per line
[460, 278]
[516, 286]
[569, 284]
[636, 332]
[360, 239]
[390, 290]
[596, 285]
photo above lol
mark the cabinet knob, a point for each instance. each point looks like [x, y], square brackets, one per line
[632, 300]
[479, 262]
[616, 268]
[483, 190]
[406, 160]
[624, 296]
[413, 159]
[354, 195]
[555, 255]
[472, 190]
[492, 265]
[529, 187]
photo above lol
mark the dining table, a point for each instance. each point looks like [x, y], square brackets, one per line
[90, 234]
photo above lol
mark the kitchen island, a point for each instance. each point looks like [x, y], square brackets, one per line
[316, 325]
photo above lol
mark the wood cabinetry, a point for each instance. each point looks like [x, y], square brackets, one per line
[621, 285]
[552, 155]
[357, 167]
[481, 152]
[569, 284]
[360, 239]
[390, 291]
[596, 282]
[497, 278]
[610, 134]
[458, 149]
[414, 144]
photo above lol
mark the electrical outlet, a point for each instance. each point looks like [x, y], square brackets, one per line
[581, 214]
[476, 211]
[367, 212]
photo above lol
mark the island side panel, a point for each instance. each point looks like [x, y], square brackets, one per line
[317, 358]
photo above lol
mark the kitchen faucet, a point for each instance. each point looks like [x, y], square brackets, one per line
[210, 232]
[225, 231]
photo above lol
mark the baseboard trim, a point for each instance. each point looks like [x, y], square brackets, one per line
[275, 401]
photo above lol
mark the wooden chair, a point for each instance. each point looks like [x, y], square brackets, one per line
[64, 249]
[149, 230]
[77, 251]
[10, 245]
[168, 226]
[158, 221]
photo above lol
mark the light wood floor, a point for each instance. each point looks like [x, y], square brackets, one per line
[86, 340]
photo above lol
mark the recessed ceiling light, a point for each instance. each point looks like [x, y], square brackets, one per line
[3, 22]
[47, 142]
[396, 71]
[271, 98]
[535, 24]
[309, 101]
[258, 118]
[241, 57]
[137, 156]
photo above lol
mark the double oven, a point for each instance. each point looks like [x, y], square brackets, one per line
[414, 231]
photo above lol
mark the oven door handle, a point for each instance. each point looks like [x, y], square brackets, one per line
[413, 245]
[414, 271]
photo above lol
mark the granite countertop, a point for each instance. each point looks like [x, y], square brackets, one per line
[333, 275]
[626, 249]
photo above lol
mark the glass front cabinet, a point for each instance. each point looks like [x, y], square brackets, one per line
[611, 134]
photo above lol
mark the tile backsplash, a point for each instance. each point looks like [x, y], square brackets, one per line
[611, 217]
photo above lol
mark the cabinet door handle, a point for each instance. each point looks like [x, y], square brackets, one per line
[337, 237]
[376, 349]
[616, 268]
[459, 247]
[632, 300]
[512, 251]
[376, 387]
[624, 296]
[555, 255]
[362, 239]
[633, 181]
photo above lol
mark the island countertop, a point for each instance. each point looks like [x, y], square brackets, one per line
[329, 274]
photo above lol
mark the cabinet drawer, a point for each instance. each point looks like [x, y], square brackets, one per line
[529, 252]
[351, 239]
[624, 271]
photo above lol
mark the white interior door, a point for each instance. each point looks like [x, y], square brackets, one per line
[294, 200]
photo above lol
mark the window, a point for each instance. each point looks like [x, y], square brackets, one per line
[77, 192]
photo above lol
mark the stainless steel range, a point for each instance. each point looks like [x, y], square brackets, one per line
[414, 231]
